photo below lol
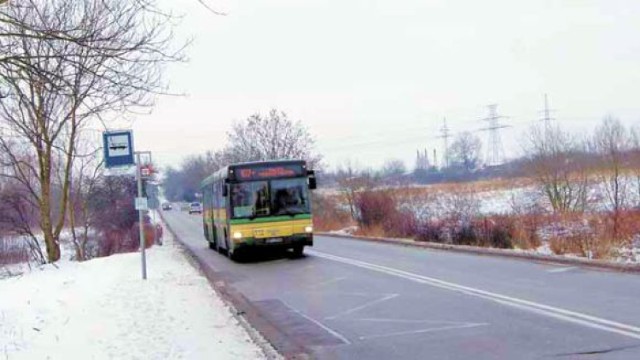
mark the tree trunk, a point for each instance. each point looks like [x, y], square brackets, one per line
[51, 242]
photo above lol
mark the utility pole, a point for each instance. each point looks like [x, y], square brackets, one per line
[495, 151]
[446, 134]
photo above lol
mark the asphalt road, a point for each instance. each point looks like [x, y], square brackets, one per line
[349, 299]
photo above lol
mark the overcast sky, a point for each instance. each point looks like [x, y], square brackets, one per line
[372, 80]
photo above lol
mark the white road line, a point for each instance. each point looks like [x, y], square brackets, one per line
[363, 306]
[405, 321]
[326, 282]
[563, 269]
[422, 331]
[541, 309]
[328, 329]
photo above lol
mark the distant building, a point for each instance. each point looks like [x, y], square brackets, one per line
[422, 160]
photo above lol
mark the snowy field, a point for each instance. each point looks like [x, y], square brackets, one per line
[101, 309]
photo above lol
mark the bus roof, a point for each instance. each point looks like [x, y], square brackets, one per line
[223, 173]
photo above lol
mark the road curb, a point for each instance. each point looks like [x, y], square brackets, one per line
[273, 342]
[556, 259]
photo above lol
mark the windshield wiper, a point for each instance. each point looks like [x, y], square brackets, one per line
[291, 213]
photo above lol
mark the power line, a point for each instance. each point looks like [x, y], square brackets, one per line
[547, 116]
[495, 153]
[446, 134]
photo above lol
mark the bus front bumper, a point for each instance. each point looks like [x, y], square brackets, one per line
[279, 242]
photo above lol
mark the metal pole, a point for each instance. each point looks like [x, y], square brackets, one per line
[140, 219]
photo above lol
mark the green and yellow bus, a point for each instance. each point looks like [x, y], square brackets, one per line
[258, 205]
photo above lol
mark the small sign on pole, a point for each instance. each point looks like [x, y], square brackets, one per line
[118, 148]
[142, 204]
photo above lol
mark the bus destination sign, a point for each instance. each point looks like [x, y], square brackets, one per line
[268, 172]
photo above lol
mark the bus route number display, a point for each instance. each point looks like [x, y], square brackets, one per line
[269, 172]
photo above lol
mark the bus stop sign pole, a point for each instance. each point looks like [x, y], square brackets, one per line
[140, 217]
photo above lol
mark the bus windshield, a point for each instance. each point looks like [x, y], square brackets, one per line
[270, 198]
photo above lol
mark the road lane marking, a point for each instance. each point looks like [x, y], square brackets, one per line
[325, 282]
[363, 306]
[405, 321]
[422, 331]
[561, 270]
[541, 309]
[328, 329]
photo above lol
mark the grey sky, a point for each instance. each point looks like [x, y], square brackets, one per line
[373, 79]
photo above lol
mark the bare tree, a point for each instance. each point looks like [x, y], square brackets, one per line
[87, 171]
[351, 182]
[554, 161]
[393, 167]
[18, 214]
[465, 150]
[64, 65]
[270, 137]
[612, 143]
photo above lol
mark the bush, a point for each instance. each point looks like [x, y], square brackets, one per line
[112, 214]
[500, 237]
[400, 224]
[374, 207]
[430, 231]
[465, 235]
[378, 215]
[485, 232]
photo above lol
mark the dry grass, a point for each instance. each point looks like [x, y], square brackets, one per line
[463, 187]
[373, 231]
[325, 222]
[585, 234]
[591, 235]
[327, 214]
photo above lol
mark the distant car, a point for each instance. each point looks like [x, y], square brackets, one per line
[167, 206]
[195, 207]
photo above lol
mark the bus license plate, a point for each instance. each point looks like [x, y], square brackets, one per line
[274, 240]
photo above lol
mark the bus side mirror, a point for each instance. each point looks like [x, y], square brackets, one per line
[225, 188]
[312, 179]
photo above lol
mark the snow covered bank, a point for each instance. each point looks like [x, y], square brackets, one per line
[101, 309]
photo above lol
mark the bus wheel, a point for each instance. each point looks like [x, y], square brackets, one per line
[298, 250]
[212, 245]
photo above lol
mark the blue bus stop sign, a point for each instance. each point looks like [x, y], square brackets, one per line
[118, 148]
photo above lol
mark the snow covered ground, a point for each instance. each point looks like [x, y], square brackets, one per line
[101, 309]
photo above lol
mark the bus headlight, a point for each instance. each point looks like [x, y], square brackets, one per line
[308, 229]
[237, 235]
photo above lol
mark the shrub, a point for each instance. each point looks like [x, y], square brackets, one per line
[430, 231]
[112, 214]
[374, 207]
[500, 237]
[400, 224]
[524, 231]
[465, 234]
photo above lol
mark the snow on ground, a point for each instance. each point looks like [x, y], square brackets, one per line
[350, 230]
[101, 309]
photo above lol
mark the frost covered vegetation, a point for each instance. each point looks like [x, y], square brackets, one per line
[577, 197]
[105, 223]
